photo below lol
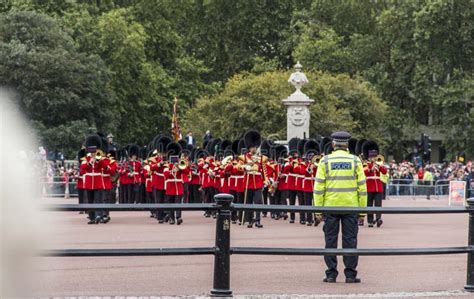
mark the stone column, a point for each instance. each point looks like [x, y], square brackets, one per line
[297, 104]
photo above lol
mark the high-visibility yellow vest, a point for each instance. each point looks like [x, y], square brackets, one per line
[340, 181]
[384, 177]
[428, 176]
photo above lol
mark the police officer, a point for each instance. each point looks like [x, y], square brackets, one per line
[340, 182]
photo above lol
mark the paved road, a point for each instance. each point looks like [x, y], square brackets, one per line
[184, 275]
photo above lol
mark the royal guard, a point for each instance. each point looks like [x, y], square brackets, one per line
[174, 171]
[295, 179]
[373, 169]
[236, 187]
[195, 183]
[311, 152]
[81, 157]
[253, 177]
[91, 170]
[282, 173]
[148, 181]
[206, 181]
[134, 169]
[157, 176]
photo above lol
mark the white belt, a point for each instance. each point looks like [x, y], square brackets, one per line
[93, 174]
[105, 175]
[254, 173]
[309, 179]
[373, 178]
[174, 180]
[135, 173]
[236, 177]
[158, 174]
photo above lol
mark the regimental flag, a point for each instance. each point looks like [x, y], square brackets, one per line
[175, 129]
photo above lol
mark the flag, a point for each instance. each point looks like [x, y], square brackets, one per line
[175, 129]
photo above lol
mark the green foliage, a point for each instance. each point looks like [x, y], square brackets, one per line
[56, 84]
[254, 101]
[119, 64]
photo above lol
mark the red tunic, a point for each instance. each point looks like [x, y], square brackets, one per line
[284, 177]
[309, 178]
[110, 167]
[236, 180]
[92, 174]
[174, 182]
[195, 178]
[372, 176]
[157, 176]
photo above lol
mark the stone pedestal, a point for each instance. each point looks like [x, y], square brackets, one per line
[297, 104]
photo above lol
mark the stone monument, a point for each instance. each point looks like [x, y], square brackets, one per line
[297, 104]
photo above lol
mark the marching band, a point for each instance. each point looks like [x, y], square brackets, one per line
[253, 170]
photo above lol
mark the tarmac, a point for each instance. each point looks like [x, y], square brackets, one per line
[434, 276]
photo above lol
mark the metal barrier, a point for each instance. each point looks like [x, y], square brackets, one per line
[56, 187]
[414, 188]
[222, 249]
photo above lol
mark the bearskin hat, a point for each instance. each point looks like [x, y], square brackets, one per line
[252, 138]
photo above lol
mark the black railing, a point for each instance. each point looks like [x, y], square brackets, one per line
[222, 249]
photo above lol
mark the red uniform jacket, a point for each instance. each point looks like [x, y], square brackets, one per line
[110, 167]
[236, 179]
[309, 178]
[206, 181]
[284, 177]
[92, 174]
[372, 176]
[147, 178]
[295, 179]
[254, 179]
[195, 178]
[157, 176]
[174, 183]
[124, 179]
[135, 172]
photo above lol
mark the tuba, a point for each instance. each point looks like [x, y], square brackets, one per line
[315, 160]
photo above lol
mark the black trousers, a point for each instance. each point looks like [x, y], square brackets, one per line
[308, 201]
[280, 199]
[238, 198]
[80, 194]
[134, 193]
[374, 199]
[174, 199]
[159, 197]
[292, 195]
[209, 197]
[254, 196]
[350, 229]
[186, 193]
[95, 197]
[194, 194]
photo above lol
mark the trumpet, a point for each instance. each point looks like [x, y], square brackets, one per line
[315, 160]
[379, 160]
[295, 163]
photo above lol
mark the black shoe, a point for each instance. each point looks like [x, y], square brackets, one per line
[179, 221]
[329, 279]
[91, 222]
[352, 280]
[105, 219]
[285, 217]
[207, 215]
[371, 224]
[379, 223]
[234, 222]
[302, 222]
[316, 222]
[309, 223]
[240, 223]
[160, 221]
[249, 225]
[264, 215]
[98, 220]
[258, 225]
[214, 216]
[361, 222]
[171, 221]
[292, 221]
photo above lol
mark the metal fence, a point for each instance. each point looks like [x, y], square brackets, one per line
[56, 187]
[413, 188]
[222, 250]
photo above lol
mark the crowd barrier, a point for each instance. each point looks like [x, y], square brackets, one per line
[56, 187]
[222, 250]
[413, 189]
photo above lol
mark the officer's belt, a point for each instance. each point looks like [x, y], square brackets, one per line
[158, 174]
[93, 174]
[373, 178]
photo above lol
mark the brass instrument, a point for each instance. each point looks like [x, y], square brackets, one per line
[226, 160]
[183, 164]
[380, 160]
[295, 163]
[316, 159]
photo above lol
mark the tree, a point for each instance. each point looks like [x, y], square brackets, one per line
[57, 86]
[254, 101]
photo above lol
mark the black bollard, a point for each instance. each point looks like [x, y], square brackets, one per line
[470, 256]
[221, 286]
